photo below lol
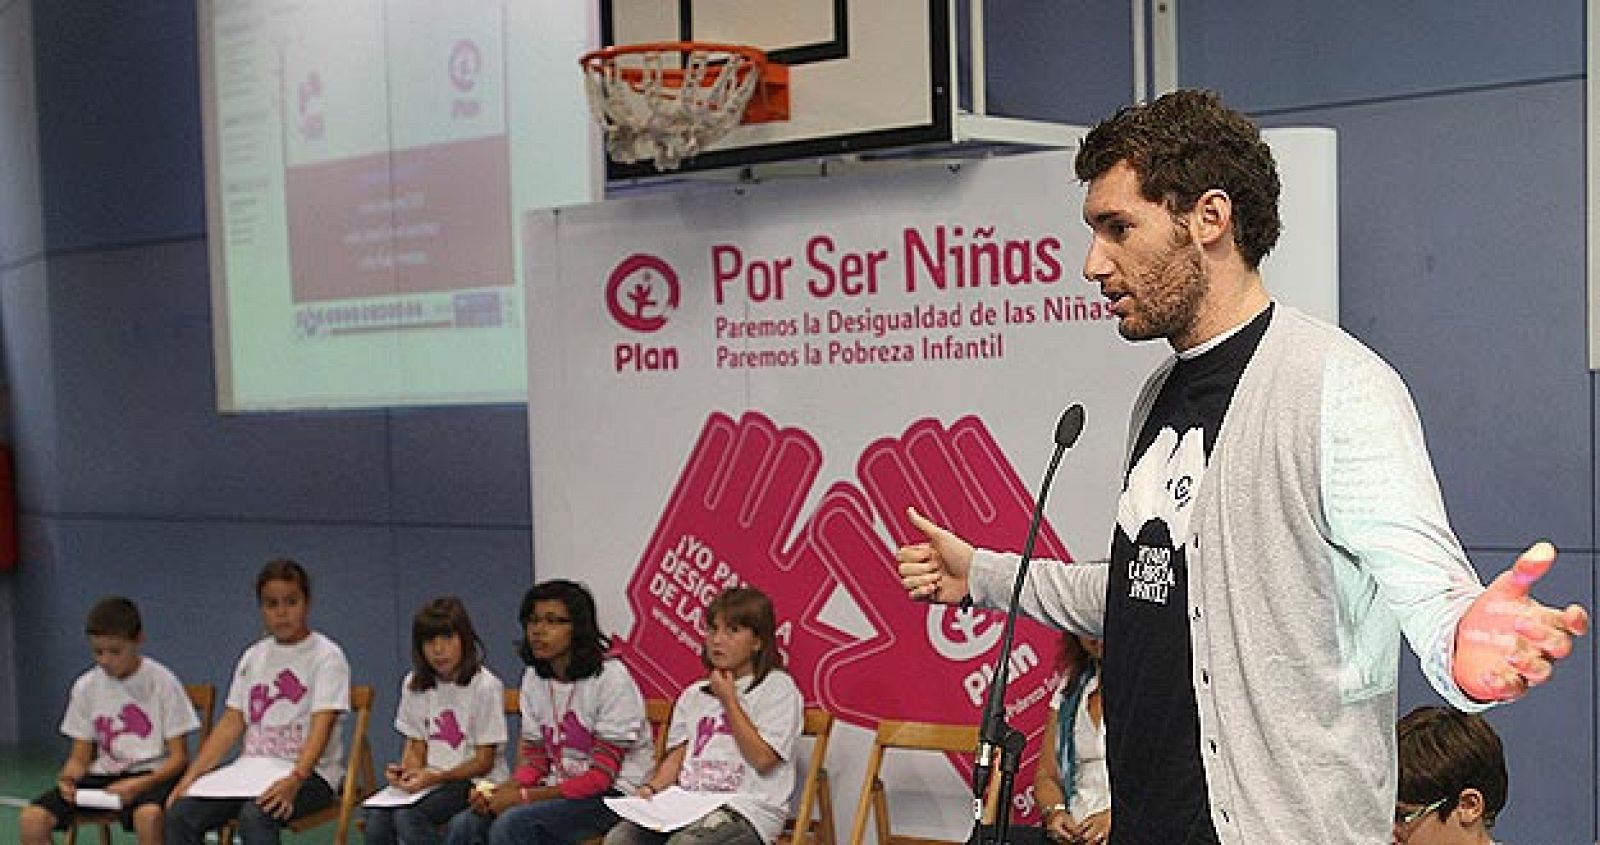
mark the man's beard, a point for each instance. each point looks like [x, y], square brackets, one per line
[1169, 294]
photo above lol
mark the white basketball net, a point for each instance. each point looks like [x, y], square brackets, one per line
[666, 113]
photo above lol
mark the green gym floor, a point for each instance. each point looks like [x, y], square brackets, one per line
[25, 773]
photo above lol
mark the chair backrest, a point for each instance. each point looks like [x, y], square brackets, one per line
[204, 699]
[659, 712]
[360, 776]
[813, 814]
[913, 736]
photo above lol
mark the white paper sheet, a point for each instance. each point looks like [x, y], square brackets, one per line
[97, 799]
[394, 796]
[245, 777]
[669, 809]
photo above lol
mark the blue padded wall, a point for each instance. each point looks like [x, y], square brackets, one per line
[1461, 250]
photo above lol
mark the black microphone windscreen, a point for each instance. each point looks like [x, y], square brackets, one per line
[1069, 426]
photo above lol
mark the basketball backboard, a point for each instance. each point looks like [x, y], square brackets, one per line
[864, 75]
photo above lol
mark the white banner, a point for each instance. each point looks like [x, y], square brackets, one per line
[750, 385]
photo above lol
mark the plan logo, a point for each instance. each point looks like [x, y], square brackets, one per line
[641, 292]
[466, 65]
[308, 99]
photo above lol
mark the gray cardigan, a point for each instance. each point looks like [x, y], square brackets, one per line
[1318, 538]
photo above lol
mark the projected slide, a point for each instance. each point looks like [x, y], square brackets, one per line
[366, 161]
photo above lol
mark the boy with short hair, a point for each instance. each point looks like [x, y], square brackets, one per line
[127, 719]
[1452, 778]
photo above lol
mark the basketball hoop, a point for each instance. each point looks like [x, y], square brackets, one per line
[670, 100]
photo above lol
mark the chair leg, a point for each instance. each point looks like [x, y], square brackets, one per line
[826, 833]
[880, 811]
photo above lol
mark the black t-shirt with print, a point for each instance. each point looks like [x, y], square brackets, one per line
[1158, 784]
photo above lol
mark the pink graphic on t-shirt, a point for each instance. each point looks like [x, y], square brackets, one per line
[569, 735]
[718, 772]
[446, 729]
[133, 722]
[286, 687]
[707, 728]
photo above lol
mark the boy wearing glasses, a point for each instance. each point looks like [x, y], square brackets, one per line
[1452, 778]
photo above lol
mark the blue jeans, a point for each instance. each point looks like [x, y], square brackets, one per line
[562, 821]
[190, 818]
[417, 824]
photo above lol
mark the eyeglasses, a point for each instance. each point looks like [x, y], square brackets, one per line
[1406, 818]
[549, 620]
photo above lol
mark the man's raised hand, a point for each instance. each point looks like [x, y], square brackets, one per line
[935, 570]
[1508, 642]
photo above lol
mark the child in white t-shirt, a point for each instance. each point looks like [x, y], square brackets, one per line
[452, 716]
[584, 732]
[288, 692]
[735, 733]
[127, 719]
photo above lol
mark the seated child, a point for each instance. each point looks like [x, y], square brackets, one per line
[734, 733]
[127, 718]
[1452, 778]
[289, 690]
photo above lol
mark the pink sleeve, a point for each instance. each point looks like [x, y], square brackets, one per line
[605, 762]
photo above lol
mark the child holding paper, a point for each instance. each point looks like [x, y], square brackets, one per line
[127, 719]
[288, 692]
[584, 732]
[452, 716]
[735, 733]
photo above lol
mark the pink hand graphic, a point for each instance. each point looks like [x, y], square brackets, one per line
[959, 477]
[286, 686]
[725, 524]
[260, 700]
[708, 727]
[574, 735]
[105, 732]
[447, 729]
[289, 687]
[135, 721]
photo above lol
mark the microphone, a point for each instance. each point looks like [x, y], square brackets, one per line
[994, 731]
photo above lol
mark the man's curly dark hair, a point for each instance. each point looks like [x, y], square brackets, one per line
[1184, 144]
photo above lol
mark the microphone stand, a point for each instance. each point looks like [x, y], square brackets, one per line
[998, 742]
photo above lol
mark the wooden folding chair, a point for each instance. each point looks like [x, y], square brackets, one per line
[203, 697]
[913, 736]
[815, 792]
[659, 712]
[359, 782]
